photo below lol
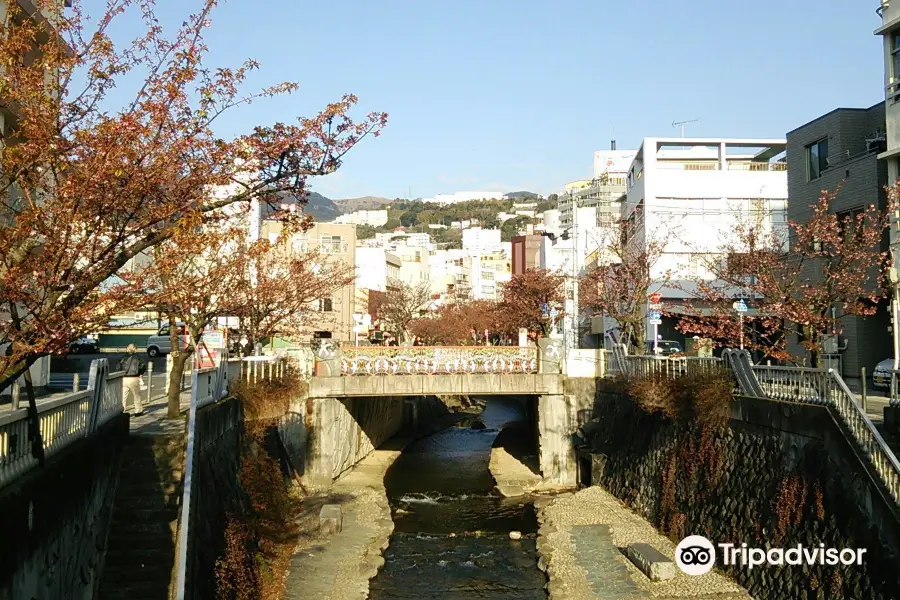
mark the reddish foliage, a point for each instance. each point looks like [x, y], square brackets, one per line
[91, 183]
[452, 324]
[524, 298]
[831, 261]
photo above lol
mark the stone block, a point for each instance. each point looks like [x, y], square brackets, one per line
[510, 490]
[653, 563]
[331, 519]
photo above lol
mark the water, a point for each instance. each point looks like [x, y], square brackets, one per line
[451, 537]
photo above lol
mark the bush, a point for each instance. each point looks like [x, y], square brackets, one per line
[269, 400]
[702, 398]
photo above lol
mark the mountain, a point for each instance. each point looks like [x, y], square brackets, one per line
[349, 205]
[321, 208]
[522, 195]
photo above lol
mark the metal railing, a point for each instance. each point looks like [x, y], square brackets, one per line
[794, 384]
[209, 386]
[643, 366]
[438, 360]
[62, 421]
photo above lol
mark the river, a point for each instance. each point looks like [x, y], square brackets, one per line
[451, 537]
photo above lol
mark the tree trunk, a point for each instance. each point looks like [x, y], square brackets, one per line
[175, 379]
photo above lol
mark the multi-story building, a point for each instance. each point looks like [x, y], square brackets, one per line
[402, 238]
[377, 269]
[604, 191]
[332, 316]
[840, 149]
[689, 192]
[477, 239]
[890, 31]
[372, 218]
[464, 197]
[526, 253]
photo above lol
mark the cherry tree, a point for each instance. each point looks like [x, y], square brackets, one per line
[796, 277]
[91, 180]
[524, 299]
[452, 324]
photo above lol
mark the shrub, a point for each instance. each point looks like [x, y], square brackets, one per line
[701, 398]
[269, 400]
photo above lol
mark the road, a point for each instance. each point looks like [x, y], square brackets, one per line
[62, 369]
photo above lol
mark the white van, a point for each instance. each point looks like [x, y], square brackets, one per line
[160, 343]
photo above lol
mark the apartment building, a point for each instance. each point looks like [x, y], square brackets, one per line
[890, 31]
[841, 149]
[481, 240]
[372, 218]
[604, 191]
[333, 316]
[526, 253]
[690, 192]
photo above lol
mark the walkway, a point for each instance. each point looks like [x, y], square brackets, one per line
[579, 543]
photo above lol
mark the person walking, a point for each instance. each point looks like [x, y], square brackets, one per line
[134, 368]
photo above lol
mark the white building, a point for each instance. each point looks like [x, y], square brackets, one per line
[603, 191]
[890, 30]
[373, 218]
[551, 222]
[376, 269]
[402, 238]
[464, 197]
[691, 192]
[481, 240]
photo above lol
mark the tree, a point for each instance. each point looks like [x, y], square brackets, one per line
[798, 275]
[512, 227]
[365, 232]
[619, 285]
[401, 305]
[452, 324]
[528, 298]
[268, 288]
[89, 183]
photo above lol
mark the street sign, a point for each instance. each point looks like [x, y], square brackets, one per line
[654, 306]
[656, 321]
[740, 306]
[214, 339]
[655, 315]
[654, 298]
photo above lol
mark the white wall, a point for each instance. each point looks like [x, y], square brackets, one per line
[371, 269]
[483, 240]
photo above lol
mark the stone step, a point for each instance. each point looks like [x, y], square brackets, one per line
[133, 547]
[155, 590]
[148, 488]
[127, 528]
[143, 571]
[148, 501]
[144, 515]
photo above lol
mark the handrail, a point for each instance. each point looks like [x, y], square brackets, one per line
[438, 360]
[62, 421]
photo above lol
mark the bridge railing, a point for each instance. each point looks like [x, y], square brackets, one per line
[438, 360]
[644, 367]
[62, 420]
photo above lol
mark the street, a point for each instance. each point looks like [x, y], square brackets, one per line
[62, 369]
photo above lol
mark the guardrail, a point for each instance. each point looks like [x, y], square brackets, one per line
[209, 386]
[642, 366]
[438, 360]
[62, 421]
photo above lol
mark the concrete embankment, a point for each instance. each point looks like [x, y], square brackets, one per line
[339, 566]
[578, 546]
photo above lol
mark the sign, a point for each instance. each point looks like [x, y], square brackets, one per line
[740, 306]
[214, 339]
[655, 315]
[655, 298]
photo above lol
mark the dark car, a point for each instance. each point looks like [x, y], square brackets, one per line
[84, 346]
[665, 347]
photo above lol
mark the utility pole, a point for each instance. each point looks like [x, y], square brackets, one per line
[575, 315]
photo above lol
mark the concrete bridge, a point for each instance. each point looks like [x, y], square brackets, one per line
[365, 394]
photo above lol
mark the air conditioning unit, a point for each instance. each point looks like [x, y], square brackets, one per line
[877, 143]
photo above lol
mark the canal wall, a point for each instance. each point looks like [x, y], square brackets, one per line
[55, 519]
[325, 437]
[776, 475]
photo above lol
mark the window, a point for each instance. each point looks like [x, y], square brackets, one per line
[816, 159]
[330, 244]
[895, 55]
[326, 305]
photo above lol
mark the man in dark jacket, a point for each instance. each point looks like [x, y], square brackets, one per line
[134, 368]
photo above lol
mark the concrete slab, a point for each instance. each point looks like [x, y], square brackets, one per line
[653, 563]
[372, 385]
[331, 519]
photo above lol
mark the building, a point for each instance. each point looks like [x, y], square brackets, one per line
[372, 218]
[604, 191]
[890, 31]
[841, 149]
[690, 191]
[402, 238]
[332, 317]
[377, 269]
[526, 253]
[481, 240]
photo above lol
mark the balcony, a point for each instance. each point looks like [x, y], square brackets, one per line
[730, 165]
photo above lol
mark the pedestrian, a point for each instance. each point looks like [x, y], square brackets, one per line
[134, 368]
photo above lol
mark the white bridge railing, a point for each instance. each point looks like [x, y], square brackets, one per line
[62, 421]
[438, 360]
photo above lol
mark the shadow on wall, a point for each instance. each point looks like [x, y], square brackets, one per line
[54, 520]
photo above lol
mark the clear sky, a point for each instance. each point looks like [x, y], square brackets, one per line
[509, 95]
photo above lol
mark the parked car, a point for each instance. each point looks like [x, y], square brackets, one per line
[881, 376]
[665, 348]
[84, 345]
[160, 343]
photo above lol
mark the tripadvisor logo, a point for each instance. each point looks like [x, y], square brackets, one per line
[696, 555]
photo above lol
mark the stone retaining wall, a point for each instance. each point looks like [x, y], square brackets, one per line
[54, 520]
[779, 475]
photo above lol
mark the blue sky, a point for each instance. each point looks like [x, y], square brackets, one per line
[508, 95]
